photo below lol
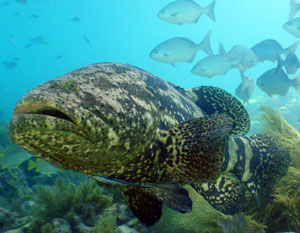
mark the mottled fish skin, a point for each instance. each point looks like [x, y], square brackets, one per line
[255, 163]
[114, 112]
[131, 127]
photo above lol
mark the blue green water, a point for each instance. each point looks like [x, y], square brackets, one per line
[124, 31]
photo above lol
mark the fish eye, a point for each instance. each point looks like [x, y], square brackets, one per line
[72, 85]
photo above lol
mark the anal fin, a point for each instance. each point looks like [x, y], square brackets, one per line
[146, 203]
[226, 195]
[145, 207]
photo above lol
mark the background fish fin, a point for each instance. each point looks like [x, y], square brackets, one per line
[222, 51]
[210, 11]
[173, 196]
[145, 207]
[214, 100]
[205, 44]
[296, 83]
[293, 9]
[280, 62]
[227, 194]
[194, 150]
[292, 48]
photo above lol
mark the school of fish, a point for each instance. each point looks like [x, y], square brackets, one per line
[275, 81]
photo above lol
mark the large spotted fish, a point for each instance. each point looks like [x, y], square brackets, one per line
[127, 128]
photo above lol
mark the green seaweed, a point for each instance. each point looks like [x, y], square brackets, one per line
[107, 224]
[273, 122]
[241, 223]
[67, 200]
[281, 210]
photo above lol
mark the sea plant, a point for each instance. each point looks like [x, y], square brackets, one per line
[281, 210]
[107, 224]
[273, 123]
[63, 200]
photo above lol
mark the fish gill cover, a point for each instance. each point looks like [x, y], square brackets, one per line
[128, 129]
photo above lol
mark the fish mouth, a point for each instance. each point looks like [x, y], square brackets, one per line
[43, 109]
[51, 112]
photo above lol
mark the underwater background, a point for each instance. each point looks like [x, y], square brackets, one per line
[43, 39]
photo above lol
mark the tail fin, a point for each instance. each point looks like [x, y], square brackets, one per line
[222, 51]
[292, 48]
[280, 62]
[294, 8]
[210, 11]
[296, 83]
[205, 44]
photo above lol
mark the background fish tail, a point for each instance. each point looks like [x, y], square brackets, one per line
[296, 83]
[205, 44]
[210, 11]
[292, 48]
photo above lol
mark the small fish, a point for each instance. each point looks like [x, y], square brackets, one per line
[13, 159]
[75, 19]
[276, 82]
[58, 57]
[10, 65]
[293, 27]
[34, 16]
[291, 63]
[245, 90]
[86, 40]
[180, 49]
[267, 50]
[38, 40]
[16, 13]
[294, 8]
[214, 65]
[41, 166]
[185, 11]
[247, 58]
[21, 1]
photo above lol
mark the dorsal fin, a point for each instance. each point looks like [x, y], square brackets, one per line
[214, 100]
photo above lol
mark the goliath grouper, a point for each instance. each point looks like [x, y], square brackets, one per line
[126, 128]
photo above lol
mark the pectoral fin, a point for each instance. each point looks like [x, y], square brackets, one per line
[193, 151]
[227, 194]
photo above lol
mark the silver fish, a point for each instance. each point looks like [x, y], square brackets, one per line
[247, 58]
[214, 65]
[268, 50]
[179, 49]
[293, 27]
[185, 11]
[291, 63]
[276, 82]
[245, 90]
[294, 8]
